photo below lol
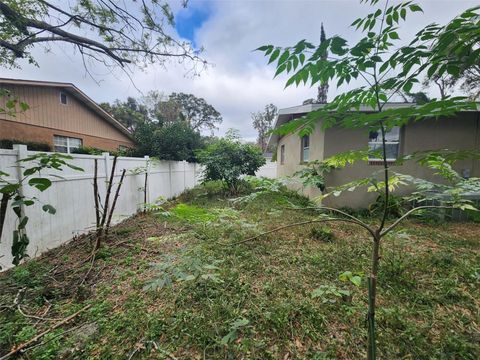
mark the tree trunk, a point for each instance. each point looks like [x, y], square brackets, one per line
[372, 297]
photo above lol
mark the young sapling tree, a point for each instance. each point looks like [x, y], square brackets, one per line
[385, 67]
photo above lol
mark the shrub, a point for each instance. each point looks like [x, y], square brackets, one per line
[177, 141]
[31, 145]
[228, 159]
[87, 150]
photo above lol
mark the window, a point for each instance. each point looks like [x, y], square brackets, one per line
[305, 148]
[392, 143]
[282, 154]
[63, 98]
[66, 144]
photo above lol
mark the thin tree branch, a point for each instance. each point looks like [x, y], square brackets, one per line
[39, 336]
[293, 225]
[352, 218]
[399, 220]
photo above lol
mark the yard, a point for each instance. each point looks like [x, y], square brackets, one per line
[185, 282]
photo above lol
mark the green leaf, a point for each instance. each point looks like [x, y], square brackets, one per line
[73, 167]
[41, 184]
[9, 188]
[49, 209]
[274, 56]
[415, 8]
[393, 35]
[23, 223]
[407, 87]
[262, 48]
[284, 57]
[280, 69]
[356, 280]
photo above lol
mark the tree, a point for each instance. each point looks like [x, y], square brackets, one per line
[262, 122]
[417, 97]
[228, 159]
[323, 87]
[129, 113]
[197, 112]
[177, 142]
[106, 32]
[468, 80]
[386, 69]
[161, 109]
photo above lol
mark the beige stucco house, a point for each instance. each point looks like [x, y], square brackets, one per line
[61, 115]
[459, 132]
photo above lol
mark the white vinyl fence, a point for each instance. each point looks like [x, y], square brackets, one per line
[71, 194]
[269, 170]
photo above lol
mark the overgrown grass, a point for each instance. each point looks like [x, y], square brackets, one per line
[216, 297]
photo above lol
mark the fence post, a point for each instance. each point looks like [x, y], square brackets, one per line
[170, 179]
[184, 175]
[194, 174]
[147, 181]
[21, 154]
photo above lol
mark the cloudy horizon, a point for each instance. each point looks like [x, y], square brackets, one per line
[238, 80]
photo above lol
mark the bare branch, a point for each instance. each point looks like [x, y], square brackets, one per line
[408, 213]
[293, 225]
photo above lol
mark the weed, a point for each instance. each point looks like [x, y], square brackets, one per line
[322, 233]
[192, 213]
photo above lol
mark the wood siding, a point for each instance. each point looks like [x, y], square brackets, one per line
[46, 111]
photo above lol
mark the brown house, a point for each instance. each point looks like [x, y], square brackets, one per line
[61, 115]
[459, 132]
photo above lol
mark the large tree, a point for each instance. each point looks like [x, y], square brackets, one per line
[262, 122]
[199, 114]
[161, 109]
[129, 112]
[114, 33]
[323, 87]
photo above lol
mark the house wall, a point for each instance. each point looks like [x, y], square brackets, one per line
[293, 161]
[446, 133]
[47, 116]
[457, 133]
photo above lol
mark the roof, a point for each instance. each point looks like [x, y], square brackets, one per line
[287, 114]
[79, 94]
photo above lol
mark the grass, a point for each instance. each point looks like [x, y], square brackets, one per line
[177, 285]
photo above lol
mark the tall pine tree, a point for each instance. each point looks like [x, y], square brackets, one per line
[322, 88]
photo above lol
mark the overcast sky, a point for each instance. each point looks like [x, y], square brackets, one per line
[238, 82]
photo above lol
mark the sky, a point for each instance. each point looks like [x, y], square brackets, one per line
[238, 80]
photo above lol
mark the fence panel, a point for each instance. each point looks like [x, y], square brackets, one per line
[71, 194]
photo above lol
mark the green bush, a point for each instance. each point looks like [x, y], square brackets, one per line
[87, 150]
[228, 159]
[31, 145]
[177, 141]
